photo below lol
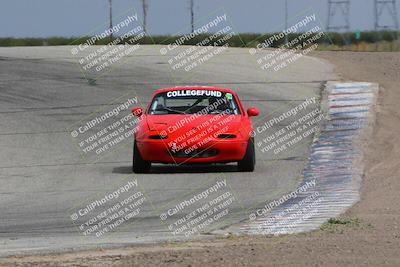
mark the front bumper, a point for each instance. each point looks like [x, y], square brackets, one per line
[216, 151]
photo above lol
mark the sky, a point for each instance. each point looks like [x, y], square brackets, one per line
[67, 18]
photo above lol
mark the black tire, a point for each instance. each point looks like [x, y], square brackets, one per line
[138, 164]
[249, 161]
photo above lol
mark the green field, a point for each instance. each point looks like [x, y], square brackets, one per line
[366, 41]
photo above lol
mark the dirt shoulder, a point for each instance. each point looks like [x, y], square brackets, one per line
[371, 238]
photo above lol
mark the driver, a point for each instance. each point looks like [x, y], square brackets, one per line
[219, 106]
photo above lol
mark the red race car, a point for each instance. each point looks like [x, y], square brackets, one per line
[190, 125]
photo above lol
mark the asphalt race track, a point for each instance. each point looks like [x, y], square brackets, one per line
[44, 179]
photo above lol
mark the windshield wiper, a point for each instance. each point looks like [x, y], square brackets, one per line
[218, 111]
[174, 110]
[195, 104]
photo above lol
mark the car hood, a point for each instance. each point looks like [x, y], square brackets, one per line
[180, 124]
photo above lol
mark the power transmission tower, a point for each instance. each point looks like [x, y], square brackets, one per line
[144, 8]
[390, 6]
[343, 6]
[110, 14]
[191, 9]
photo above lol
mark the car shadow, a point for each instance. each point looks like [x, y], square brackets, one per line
[122, 170]
[161, 168]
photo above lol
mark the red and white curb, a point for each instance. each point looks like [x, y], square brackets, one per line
[332, 177]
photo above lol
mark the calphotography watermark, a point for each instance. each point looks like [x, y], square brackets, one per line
[110, 211]
[286, 130]
[198, 213]
[287, 48]
[203, 136]
[284, 215]
[207, 42]
[276, 203]
[290, 217]
[103, 50]
[105, 130]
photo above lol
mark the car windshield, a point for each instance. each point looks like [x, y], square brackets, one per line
[194, 102]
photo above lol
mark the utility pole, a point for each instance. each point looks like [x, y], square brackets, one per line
[111, 24]
[286, 20]
[144, 8]
[344, 7]
[191, 9]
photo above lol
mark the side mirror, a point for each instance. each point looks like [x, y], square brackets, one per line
[137, 112]
[253, 112]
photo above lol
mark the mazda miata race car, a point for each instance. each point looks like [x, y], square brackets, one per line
[190, 125]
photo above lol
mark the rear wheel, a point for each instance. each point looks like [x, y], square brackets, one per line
[249, 161]
[138, 164]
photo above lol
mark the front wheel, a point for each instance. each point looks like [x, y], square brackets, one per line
[138, 164]
[249, 161]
